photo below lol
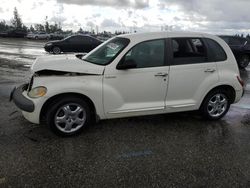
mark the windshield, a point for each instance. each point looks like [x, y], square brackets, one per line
[107, 52]
[66, 38]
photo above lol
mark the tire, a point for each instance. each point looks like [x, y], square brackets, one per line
[68, 116]
[56, 50]
[243, 61]
[215, 105]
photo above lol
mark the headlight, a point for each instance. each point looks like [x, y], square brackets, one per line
[48, 44]
[37, 92]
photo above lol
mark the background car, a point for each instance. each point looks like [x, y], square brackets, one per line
[75, 43]
[56, 36]
[38, 35]
[241, 49]
[14, 33]
[3, 34]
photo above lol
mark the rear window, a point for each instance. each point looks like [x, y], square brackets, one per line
[215, 51]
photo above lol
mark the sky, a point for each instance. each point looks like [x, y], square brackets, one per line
[211, 16]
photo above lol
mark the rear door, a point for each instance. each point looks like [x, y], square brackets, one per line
[191, 73]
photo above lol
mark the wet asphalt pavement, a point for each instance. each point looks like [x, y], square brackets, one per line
[174, 150]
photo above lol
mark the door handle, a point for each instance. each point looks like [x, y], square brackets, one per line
[210, 70]
[162, 74]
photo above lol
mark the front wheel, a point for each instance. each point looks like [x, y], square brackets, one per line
[56, 50]
[215, 105]
[243, 61]
[68, 116]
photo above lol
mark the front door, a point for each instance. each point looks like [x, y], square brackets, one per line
[141, 90]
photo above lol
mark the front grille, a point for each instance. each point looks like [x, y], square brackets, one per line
[31, 83]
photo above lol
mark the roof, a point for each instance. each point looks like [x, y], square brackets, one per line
[155, 35]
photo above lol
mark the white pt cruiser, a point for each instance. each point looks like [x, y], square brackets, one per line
[132, 75]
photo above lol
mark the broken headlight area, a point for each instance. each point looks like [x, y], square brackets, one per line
[48, 73]
[30, 83]
[37, 92]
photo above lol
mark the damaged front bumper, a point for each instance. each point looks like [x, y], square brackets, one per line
[20, 100]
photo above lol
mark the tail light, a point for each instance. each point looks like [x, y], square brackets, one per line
[240, 81]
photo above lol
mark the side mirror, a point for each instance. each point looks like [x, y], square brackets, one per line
[126, 64]
[81, 55]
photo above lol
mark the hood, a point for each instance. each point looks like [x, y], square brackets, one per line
[53, 42]
[65, 63]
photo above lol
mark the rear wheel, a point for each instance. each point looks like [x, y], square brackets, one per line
[243, 61]
[68, 116]
[215, 105]
[56, 50]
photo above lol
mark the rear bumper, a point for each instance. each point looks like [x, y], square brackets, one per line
[21, 101]
[238, 95]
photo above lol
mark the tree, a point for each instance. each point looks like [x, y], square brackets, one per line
[47, 26]
[248, 36]
[3, 26]
[31, 28]
[25, 28]
[55, 28]
[17, 21]
[80, 30]
[39, 27]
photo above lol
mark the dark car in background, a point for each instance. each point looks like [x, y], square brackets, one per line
[14, 34]
[57, 36]
[240, 47]
[75, 43]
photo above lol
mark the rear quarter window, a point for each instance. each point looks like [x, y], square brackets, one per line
[215, 51]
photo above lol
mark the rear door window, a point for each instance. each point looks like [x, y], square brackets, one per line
[188, 51]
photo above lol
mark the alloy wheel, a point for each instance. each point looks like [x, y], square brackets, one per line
[217, 105]
[70, 117]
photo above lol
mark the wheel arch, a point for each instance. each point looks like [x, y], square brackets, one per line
[57, 97]
[229, 89]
